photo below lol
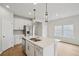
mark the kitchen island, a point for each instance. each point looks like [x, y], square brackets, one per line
[38, 46]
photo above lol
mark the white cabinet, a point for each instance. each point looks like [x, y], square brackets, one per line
[38, 51]
[38, 28]
[20, 22]
[24, 45]
[17, 39]
[6, 38]
[29, 48]
[33, 49]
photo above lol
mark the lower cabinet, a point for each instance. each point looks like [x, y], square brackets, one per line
[32, 50]
[24, 45]
[29, 49]
[18, 39]
[35, 50]
[38, 51]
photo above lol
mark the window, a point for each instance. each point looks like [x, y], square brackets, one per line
[68, 31]
[58, 31]
[64, 31]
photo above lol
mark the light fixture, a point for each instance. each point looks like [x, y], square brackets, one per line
[7, 6]
[56, 14]
[33, 23]
[34, 14]
[46, 14]
[34, 3]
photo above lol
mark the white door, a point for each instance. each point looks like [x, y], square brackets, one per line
[7, 32]
[0, 34]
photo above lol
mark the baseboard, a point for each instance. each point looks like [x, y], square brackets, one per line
[70, 43]
[6, 49]
[17, 44]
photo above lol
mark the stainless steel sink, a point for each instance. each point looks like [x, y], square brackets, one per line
[35, 39]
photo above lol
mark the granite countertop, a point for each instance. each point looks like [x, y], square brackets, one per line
[45, 41]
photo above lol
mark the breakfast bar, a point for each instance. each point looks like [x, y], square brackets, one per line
[39, 46]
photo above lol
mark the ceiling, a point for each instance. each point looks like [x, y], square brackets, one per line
[55, 10]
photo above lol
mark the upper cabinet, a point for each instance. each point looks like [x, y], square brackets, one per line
[38, 28]
[20, 22]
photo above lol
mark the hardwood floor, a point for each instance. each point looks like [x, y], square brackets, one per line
[65, 49]
[62, 49]
[14, 51]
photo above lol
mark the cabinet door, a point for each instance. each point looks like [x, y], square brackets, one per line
[29, 48]
[38, 28]
[38, 51]
[24, 45]
[18, 39]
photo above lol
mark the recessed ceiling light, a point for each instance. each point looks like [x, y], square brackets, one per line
[56, 14]
[7, 6]
[34, 3]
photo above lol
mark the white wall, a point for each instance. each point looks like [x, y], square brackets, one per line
[68, 20]
[20, 22]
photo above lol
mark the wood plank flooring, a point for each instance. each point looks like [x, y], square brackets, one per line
[62, 49]
[65, 49]
[14, 51]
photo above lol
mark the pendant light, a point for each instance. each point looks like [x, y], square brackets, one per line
[34, 10]
[46, 14]
[33, 23]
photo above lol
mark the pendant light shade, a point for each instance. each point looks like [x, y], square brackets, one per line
[34, 14]
[46, 14]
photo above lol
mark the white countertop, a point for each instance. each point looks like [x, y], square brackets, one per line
[45, 41]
